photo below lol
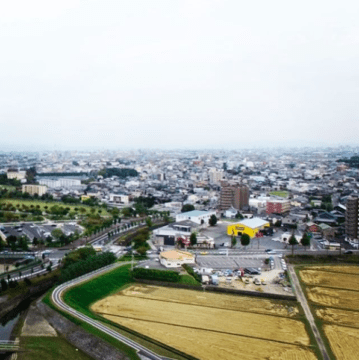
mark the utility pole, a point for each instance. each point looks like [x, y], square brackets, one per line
[132, 263]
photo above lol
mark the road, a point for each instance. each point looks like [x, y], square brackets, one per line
[57, 300]
[303, 301]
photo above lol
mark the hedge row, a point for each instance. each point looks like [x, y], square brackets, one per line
[159, 275]
[82, 267]
[191, 272]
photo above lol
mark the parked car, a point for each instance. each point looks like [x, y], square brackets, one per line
[256, 281]
[268, 250]
[348, 252]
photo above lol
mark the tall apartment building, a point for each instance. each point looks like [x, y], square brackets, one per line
[34, 189]
[351, 219]
[233, 194]
[215, 176]
[278, 206]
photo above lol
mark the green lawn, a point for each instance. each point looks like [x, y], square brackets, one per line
[8, 187]
[189, 280]
[49, 204]
[49, 348]
[283, 194]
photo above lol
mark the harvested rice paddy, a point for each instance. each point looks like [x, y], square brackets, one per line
[210, 326]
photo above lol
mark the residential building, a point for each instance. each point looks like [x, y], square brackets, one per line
[215, 176]
[119, 198]
[34, 189]
[18, 175]
[351, 219]
[278, 206]
[233, 195]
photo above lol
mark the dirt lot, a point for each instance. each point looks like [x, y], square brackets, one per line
[344, 341]
[210, 326]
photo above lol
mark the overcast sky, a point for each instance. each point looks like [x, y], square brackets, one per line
[191, 74]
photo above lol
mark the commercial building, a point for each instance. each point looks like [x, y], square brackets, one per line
[351, 220]
[34, 189]
[233, 195]
[176, 258]
[14, 174]
[60, 183]
[278, 206]
[247, 226]
[196, 216]
[119, 199]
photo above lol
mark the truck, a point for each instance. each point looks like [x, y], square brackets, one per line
[214, 280]
[205, 279]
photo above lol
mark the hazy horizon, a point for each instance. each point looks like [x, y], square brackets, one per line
[182, 74]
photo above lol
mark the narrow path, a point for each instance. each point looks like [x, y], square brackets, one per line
[303, 301]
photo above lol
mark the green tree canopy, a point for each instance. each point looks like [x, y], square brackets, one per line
[212, 220]
[187, 207]
[245, 239]
[233, 241]
[193, 239]
[305, 240]
[292, 241]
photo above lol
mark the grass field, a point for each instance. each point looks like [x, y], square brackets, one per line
[8, 187]
[49, 348]
[333, 294]
[49, 204]
[207, 325]
[283, 194]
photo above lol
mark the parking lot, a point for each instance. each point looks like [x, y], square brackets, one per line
[219, 262]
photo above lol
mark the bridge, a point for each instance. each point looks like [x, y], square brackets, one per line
[9, 345]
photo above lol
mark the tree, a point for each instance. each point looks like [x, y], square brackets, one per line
[193, 239]
[245, 239]
[305, 240]
[212, 220]
[57, 233]
[142, 250]
[149, 222]
[4, 285]
[239, 215]
[293, 241]
[234, 241]
[187, 207]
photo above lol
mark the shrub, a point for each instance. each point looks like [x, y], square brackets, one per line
[190, 271]
[159, 275]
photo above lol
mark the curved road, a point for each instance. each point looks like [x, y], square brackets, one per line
[57, 299]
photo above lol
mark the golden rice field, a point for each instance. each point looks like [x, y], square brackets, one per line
[338, 298]
[336, 290]
[344, 341]
[346, 269]
[338, 316]
[330, 279]
[209, 326]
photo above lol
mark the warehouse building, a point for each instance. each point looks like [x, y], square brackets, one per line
[247, 226]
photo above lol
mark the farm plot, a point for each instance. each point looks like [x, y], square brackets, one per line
[344, 341]
[338, 316]
[329, 279]
[208, 299]
[335, 292]
[226, 331]
[346, 269]
[337, 298]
